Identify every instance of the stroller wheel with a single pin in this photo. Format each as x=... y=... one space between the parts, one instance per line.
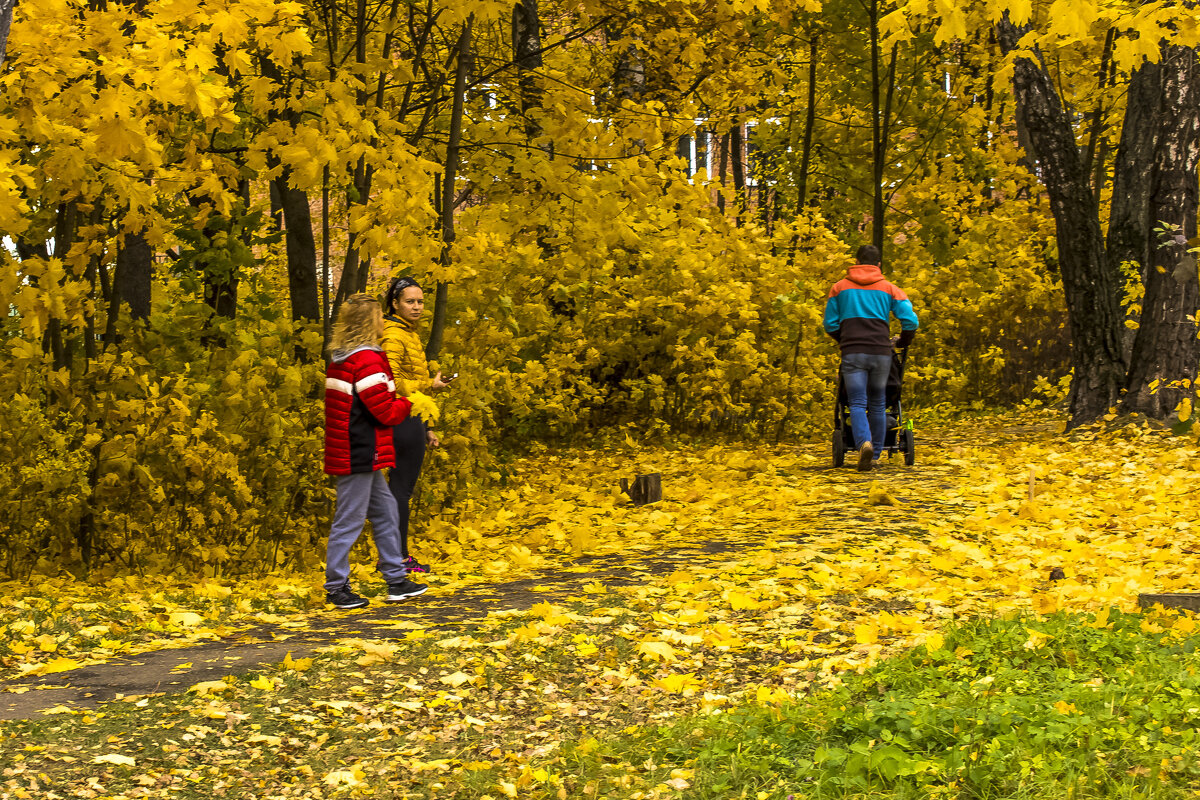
x=910 y=450
x=839 y=448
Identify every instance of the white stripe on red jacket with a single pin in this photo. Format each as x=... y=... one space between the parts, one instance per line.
x=360 y=410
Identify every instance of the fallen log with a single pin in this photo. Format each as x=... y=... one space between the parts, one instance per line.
x=1187 y=600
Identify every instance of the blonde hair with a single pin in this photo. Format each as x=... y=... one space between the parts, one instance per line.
x=359 y=323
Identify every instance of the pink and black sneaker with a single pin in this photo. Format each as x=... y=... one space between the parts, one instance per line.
x=415 y=566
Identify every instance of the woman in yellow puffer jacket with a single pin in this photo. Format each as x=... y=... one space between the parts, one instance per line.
x=404 y=304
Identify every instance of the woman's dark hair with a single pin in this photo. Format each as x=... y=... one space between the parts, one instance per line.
x=867 y=254
x=395 y=289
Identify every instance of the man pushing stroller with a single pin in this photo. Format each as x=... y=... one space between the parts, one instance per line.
x=857 y=315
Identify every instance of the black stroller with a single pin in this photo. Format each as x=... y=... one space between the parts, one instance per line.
x=899 y=435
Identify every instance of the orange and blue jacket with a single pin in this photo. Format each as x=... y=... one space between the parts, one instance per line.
x=859 y=308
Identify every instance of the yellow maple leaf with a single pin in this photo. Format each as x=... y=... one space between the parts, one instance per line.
x=866 y=633
x=456 y=679
x=656 y=651
x=345 y=777
x=1044 y=603
x=208 y=687
x=299 y=665
x=677 y=683
x=375 y=653
x=186 y=619
x=59 y=664
x=742 y=602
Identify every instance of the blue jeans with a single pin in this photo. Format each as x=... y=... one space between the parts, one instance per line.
x=865 y=377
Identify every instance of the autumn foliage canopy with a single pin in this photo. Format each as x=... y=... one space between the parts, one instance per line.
x=629 y=215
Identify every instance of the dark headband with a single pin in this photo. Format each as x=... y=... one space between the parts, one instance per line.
x=397 y=286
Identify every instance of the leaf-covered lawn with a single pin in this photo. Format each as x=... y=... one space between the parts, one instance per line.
x=825 y=572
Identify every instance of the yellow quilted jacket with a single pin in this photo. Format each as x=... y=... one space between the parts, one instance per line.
x=406 y=356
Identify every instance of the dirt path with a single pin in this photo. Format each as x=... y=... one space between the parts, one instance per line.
x=837 y=506
x=174 y=670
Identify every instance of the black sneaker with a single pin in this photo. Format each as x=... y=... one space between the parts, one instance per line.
x=414 y=565
x=345 y=598
x=405 y=589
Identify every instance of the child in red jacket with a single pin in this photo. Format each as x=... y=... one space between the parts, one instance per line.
x=360 y=410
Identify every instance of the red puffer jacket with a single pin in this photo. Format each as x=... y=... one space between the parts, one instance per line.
x=360 y=410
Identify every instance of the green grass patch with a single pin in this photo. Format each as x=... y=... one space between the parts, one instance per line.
x=1066 y=706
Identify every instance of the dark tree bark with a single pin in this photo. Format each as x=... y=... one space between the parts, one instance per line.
x=91 y=275
x=134 y=273
x=1091 y=285
x=1129 y=218
x=6 y=13
x=66 y=227
x=737 y=153
x=326 y=317
x=882 y=89
x=354 y=268
x=722 y=171
x=1166 y=351
x=290 y=210
x=630 y=74
x=437 y=325
x=810 y=124
x=1093 y=159
x=527 y=55
x=301 y=248
x=806 y=143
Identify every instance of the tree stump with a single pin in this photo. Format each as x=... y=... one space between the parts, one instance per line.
x=645 y=488
x=1188 y=600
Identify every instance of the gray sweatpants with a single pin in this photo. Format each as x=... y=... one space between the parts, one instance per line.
x=361 y=496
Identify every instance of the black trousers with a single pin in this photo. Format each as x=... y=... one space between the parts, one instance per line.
x=409 y=440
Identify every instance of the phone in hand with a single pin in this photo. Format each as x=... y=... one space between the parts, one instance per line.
x=450 y=378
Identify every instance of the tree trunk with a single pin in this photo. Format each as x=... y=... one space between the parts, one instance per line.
x=1093 y=157
x=527 y=55
x=737 y=164
x=722 y=172
x=437 y=326
x=1090 y=284
x=326 y=317
x=353 y=270
x=810 y=124
x=1166 y=351
x=1129 y=218
x=881 y=111
x=630 y=75
x=6 y=13
x=301 y=249
x=135 y=269
x=66 y=228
